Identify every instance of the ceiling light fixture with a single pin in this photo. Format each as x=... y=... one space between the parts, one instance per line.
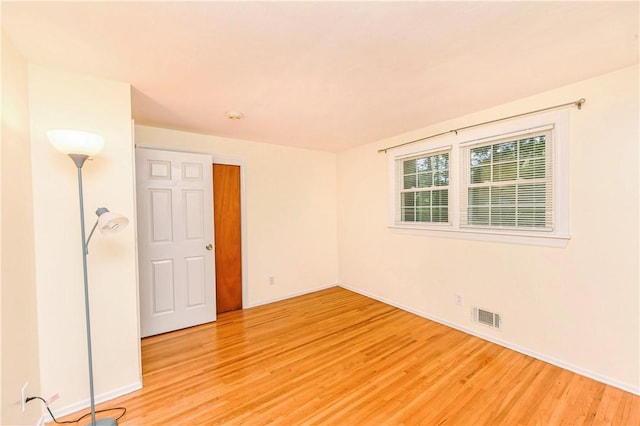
x=234 y=115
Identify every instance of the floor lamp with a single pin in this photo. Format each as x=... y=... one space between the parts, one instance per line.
x=80 y=146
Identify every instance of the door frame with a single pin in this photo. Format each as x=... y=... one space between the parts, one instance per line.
x=231 y=161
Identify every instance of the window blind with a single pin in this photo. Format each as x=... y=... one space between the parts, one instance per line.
x=507 y=183
x=424 y=188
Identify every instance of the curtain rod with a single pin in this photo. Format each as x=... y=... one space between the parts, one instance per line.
x=577 y=104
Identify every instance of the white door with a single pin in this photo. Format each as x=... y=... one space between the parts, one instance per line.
x=175 y=238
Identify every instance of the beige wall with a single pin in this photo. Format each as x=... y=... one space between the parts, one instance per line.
x=65 y=100
x=20 y=360
x=290 y=210
x=577 y=306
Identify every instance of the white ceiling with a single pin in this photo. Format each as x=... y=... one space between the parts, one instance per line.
x=324 y=75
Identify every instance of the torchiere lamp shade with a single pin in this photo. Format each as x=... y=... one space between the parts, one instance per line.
x=76 y=141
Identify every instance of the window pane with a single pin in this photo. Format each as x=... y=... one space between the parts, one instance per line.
x=532 y=169
x=503 y=216
x=532 y=193
x=408 y=199
x=423 y=214
x=444 y=198
x=530 y=216
x=504 y=171
x=478 y=215
x=506 y=151
x=423 y=198
x=409 y=167
x=478 y=196
x=425 y=180
x=440 y=198
x=532 y=147
x=441 y=178
x=409 y=215
x=481 y=174
x=440 y=214
x=481 y=155
x=504 y=195
x=441 y=162
x=423 y=164
x=409 y=182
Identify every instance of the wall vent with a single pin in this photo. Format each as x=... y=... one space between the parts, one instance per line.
x=485 y=317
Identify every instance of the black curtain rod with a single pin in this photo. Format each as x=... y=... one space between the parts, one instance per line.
x=577 y=104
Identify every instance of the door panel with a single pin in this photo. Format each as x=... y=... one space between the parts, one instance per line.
x=162 y=286
x=174 y=201
x=226 y=189
x=196 y=285
x=193 y=205
x=161 y=215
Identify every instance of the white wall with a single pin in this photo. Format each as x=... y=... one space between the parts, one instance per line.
x=577 y=306
x=65 y=100
x=20 y=360
x=290 y=210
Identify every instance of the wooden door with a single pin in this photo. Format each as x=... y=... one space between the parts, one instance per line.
x=175 y=236
x=228 y=249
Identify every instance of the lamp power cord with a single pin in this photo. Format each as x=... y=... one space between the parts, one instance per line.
x=31 y=398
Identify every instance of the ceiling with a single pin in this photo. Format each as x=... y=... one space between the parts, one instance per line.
x=324 y=75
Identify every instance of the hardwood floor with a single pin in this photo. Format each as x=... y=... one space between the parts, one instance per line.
x=337 y=358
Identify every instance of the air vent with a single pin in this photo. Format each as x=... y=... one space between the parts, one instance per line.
x=487 y=318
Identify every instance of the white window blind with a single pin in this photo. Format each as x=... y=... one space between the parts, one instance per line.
x=505 y=182
x=508 y=183
x=424 y=188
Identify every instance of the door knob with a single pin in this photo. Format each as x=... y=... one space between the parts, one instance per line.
x=209 y=247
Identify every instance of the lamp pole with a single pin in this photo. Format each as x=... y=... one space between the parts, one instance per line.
x=79 y=160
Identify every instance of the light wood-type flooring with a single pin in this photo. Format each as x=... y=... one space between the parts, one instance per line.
x=338 y=358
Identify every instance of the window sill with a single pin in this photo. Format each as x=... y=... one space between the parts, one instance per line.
x=555 y=241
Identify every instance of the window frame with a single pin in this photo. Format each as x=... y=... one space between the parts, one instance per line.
x=400 y=174
x=518 y=182
x=556 y=121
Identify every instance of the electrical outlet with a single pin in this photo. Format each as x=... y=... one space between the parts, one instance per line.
x=23 y=396
x=458 y=299
x=272 y=280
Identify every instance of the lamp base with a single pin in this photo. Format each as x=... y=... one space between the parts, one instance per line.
x=104 y=422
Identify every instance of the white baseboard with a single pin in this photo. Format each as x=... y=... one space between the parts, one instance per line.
x=289 y=296
x=86 y=403
x=45 y=418
x=542 y=357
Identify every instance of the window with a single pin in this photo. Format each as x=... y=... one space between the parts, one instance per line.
x=424 y=196
x=506 y=182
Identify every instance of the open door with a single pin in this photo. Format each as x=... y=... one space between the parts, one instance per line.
x=175 y=240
